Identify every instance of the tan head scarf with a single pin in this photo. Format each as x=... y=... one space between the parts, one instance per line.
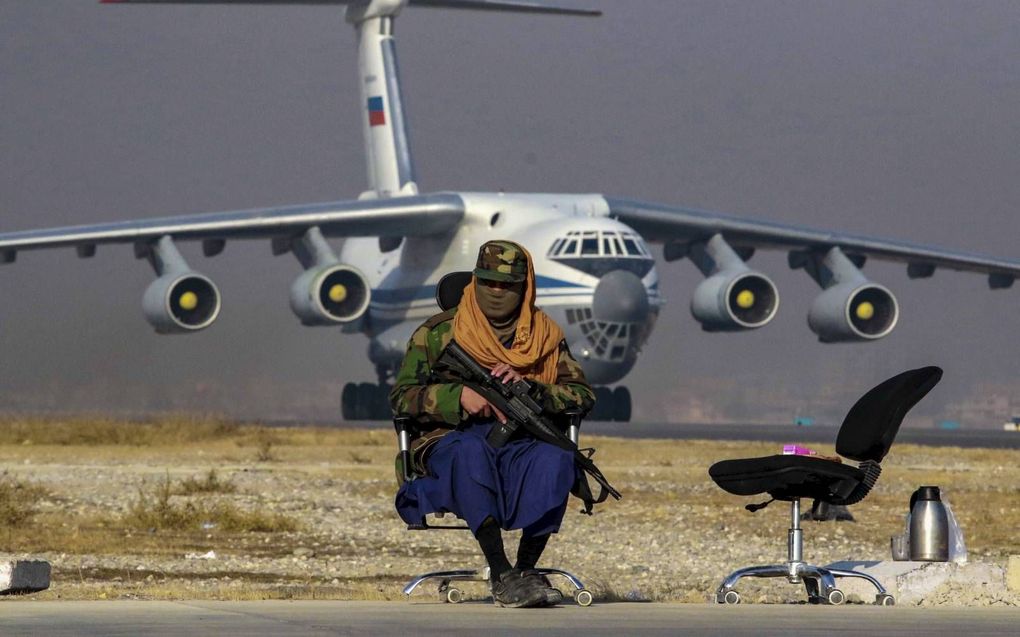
x=535 y=349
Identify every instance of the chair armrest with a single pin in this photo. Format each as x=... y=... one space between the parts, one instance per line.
x=402 y=423
x=573 y=419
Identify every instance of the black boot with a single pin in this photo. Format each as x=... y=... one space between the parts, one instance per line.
x=528 y=552
x=509 y=589
x=550 y=596
x=512 y=590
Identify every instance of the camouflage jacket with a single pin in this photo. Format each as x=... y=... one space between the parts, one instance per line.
x=431 y=396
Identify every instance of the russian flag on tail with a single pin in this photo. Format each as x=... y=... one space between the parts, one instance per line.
x=376 y=112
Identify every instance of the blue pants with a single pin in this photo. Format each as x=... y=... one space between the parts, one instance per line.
x=522 y=485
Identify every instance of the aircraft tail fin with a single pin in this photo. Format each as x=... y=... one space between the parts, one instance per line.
x=387 y=141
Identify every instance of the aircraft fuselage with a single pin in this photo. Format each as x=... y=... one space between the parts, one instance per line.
x=595 y=276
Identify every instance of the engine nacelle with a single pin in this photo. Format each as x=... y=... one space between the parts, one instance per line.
x=181 y=302
x=853 y=311
x=733 y=300
x=330 y=295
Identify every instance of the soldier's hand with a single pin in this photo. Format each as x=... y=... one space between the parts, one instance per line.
x=506 y=373
x=474 y=404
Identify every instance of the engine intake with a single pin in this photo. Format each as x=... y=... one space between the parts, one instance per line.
x=853 y=312
x=181 y=302
x=330 y=295
x=735 y=300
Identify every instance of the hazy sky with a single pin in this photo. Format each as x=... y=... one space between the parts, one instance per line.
x=894 y=118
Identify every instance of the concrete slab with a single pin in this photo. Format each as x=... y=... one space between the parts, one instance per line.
x=917 y=582
x=1013 y=573
x=24 y=576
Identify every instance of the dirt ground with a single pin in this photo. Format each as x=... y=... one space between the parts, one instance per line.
x=187 y=508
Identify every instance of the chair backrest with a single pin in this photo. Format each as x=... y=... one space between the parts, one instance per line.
x=450 y=288
x=872 y=423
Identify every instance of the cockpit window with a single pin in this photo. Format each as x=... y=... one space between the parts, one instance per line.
x=597 y=252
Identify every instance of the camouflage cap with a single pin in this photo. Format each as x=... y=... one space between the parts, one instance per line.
x=501 y=261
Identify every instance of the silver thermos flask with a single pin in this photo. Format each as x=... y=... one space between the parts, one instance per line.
x=929 y=526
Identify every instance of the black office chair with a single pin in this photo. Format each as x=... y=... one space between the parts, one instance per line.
x=865 y=436
x=448 y=294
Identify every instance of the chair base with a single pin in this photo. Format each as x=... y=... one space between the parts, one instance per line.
x=820 y=582
x=453 y=595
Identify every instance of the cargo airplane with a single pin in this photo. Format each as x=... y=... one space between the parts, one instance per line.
x=595 y=273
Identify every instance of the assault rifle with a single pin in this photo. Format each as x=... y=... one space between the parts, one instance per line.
x=518 y=402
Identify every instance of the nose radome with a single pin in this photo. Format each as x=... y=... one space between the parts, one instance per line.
x=620 y=297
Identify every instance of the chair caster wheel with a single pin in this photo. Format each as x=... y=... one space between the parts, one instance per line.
x=452 y=595
x=835 y=597
x=884 y=599
x=583 y=597
x=729 y=597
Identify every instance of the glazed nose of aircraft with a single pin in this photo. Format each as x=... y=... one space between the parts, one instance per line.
x=620 y=297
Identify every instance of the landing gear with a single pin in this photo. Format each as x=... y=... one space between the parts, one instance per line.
x=621 y=404
x=365 y=401
x=612 y=404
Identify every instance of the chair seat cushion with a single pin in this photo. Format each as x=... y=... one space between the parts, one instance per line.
x=786 y=477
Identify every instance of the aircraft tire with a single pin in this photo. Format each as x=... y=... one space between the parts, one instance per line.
x=381 y=404
x=348 y=397
x=622 y=404
x=603 y=404
x=363 y=401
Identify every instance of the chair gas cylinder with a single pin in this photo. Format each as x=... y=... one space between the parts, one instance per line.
x=929 y=526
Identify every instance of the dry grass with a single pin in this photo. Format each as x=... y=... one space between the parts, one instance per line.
x=168 y=430
x=18 y=501
x=156 y=509
x=211 y=483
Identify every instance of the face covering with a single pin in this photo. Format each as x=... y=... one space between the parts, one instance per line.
x=500 y=306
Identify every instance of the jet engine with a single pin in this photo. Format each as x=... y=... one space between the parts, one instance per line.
x=851 y=308
x=181 y=302
x=330 y=295
x=853 y=312
x=734 y=300
x=732 y=297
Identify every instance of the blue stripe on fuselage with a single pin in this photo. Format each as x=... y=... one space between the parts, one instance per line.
x=549 y=282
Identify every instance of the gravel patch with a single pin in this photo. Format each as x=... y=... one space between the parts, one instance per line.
x=673 y=537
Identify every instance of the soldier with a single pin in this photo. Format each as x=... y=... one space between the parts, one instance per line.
x=523 y=484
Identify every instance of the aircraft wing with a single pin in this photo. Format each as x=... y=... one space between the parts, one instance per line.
x=516 y=6
x=682 y=227
x=397 y=217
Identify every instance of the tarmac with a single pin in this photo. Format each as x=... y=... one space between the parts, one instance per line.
x=256 y=619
